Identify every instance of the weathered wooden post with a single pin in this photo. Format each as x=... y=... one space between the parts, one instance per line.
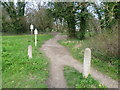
x=35 y=32
x=87 y=62
x=31 y=27
x=30 y=51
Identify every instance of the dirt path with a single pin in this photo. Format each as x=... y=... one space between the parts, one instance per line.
x=60 y=57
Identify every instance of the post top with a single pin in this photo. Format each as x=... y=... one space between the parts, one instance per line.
x=30 y=46
x=31 y=26
x=35 y=31
x=88 y=49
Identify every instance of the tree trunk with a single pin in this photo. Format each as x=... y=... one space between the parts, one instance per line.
x=82 y=28
x=82 y=25
x=71 y=26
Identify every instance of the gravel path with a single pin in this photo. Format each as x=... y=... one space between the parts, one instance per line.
x=59 y=57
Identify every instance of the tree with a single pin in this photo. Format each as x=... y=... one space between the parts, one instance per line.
x=40 y=17
x=105 y=12
x=16 y=14
x=64 y=12
x=82 y=16
x=70 y=18
x=42 y=20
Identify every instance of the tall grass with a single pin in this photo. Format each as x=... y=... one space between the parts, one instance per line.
x=105 y=46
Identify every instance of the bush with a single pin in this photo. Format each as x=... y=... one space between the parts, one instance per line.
x=105 y=46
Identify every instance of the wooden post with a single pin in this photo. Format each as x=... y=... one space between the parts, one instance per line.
x=29 y=51
x=35 y=39
x=31 y=27
x=87 y=62
x=35 y=32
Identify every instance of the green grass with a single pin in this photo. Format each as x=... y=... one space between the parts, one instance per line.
x=0 y=63
x=17 y=70
x=76 y=79
x=78 y=53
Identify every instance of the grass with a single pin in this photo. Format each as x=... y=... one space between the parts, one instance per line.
x=17 y=70
x=77 y=47
x=76 y=79
x=0 y=62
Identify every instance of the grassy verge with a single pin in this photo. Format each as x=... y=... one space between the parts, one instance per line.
x=77 y=48
x=76 y=79
x=17 y=70
x=0 y=62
